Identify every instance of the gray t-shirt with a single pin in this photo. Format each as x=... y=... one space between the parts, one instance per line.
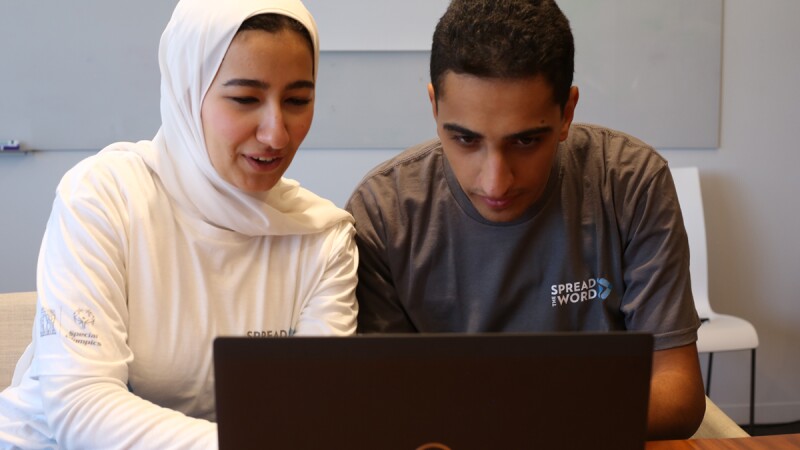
x=604 y=248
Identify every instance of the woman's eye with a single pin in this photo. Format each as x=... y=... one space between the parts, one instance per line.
x=244 y=100
x=298 y=101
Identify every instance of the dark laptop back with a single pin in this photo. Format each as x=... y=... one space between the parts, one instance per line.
x=479 y=391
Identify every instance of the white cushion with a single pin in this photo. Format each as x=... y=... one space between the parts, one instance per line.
x=723 y=333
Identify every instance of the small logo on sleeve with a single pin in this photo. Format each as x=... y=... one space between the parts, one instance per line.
x=83 y=318
x=47 y=325
x=580 y=291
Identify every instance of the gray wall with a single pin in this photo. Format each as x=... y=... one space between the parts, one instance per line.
x=81 y=92
x=750 y=184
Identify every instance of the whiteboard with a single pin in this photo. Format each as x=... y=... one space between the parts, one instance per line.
x=84 y=73
x=650 y=67
x=80 y=74
x=387 y=25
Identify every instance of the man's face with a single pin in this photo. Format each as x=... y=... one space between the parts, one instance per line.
x=500 y=137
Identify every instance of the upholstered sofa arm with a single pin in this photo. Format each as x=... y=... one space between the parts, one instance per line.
x=716 y=424
x=17 y=311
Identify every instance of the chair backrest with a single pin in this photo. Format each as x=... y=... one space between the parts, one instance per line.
x=687 y=184
x=17 y=311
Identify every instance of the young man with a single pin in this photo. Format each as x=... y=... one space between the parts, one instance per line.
x=517 y=220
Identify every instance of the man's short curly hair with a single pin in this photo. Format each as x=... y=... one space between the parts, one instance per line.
x=505 y=39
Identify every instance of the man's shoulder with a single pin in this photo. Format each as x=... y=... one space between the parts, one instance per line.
x=411 y=159
x=601 y=151
x=414 y=167
x=590 y=135
x=400 y=185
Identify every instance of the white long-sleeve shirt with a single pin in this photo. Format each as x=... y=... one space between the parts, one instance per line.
x=132 y=291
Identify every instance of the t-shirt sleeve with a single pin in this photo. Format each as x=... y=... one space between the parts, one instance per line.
x=81 y=281
x=331 y=309
x=380 y=309
x=658 y=296
x=81 y=330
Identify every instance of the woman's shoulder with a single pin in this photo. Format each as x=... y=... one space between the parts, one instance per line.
x=108 y=171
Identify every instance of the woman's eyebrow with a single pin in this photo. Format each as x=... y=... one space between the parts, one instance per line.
x=301 y=84
x=246 y=82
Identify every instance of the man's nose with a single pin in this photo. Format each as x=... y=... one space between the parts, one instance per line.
x=497 y=175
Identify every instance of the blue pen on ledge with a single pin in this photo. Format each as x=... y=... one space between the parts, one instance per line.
x=9 y=145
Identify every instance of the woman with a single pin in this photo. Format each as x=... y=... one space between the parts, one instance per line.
x=153 y=249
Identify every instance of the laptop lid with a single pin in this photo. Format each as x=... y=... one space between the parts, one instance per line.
x=434 y=391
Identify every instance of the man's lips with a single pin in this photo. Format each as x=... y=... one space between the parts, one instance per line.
x=496 y=202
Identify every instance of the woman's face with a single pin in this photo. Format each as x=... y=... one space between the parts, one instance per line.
x=259 y=107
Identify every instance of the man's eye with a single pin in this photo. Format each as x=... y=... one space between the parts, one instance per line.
x=465 y=139
x=528 y=141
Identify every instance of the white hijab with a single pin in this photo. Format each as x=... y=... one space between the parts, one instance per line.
x=191 y=50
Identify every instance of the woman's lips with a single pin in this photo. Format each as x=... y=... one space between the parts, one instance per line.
x=263 y=163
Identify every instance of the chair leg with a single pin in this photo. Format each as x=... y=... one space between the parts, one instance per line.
x=708 y=374
x=752 y=388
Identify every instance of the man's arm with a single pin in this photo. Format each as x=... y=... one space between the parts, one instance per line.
x=379 y=307
x=658 y=297
x=677 y=397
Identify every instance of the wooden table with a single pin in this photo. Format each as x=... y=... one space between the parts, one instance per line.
x=776 y=442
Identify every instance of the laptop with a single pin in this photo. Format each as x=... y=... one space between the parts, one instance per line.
x=434 y=391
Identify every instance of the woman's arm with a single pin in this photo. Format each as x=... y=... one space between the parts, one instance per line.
x=82 y=354
x=96 y=412
x=332 y=307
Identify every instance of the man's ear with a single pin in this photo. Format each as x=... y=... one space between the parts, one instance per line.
x=432 y=97
x=569 y=112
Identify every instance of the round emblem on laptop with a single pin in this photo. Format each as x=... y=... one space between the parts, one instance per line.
x=433 y=446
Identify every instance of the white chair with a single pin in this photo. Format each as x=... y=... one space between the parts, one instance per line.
x=718 y=332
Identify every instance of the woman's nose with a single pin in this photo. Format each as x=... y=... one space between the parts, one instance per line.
x=272 y=130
